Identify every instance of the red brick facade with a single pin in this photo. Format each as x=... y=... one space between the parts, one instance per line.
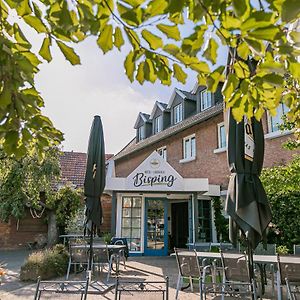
x=207 y=164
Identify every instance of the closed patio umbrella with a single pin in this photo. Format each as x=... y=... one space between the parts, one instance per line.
x=246 y=202
x=94 y=181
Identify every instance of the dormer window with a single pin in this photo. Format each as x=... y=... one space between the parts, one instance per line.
x=178 y=113
x=205 y=99
x=157 y=124
x=140 y=133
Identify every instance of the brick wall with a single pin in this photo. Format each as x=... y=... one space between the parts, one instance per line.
x=207 y=164
x=106 y=209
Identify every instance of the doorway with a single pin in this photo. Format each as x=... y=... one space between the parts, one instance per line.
x=180 y=224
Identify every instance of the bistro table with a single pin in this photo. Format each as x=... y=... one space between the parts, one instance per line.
x=71 y=236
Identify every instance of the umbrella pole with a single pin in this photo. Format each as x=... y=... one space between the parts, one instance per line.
x=91 y=248
x=251 y=267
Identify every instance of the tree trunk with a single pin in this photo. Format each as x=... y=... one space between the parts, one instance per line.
x=52 y=229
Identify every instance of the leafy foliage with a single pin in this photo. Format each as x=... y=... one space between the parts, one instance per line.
x=282 y=188
x=255 y=33
x=221 y=222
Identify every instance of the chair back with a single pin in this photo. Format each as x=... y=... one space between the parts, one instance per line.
x=290 y=271
x=235 y=269
x=121 y=241
x=297 y=250
x=270 y=249
x=188 y=263
x=79 y=253
x=205 y=247
x=101 y=255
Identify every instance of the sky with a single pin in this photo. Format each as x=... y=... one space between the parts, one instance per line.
x=99 y=86
x=73 y=95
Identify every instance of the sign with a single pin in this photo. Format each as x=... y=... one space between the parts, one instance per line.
x=249 y=139
x=154 y=174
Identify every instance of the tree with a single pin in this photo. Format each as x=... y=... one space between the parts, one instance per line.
x=259 y=35
x=282 y=187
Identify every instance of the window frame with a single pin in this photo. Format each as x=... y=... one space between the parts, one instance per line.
x=271 y=126
x=180 y=113
x=191 y=156
x=140 y=132
x=202 y=106
x=164 y=151
x=220 y=146
x=158 y=124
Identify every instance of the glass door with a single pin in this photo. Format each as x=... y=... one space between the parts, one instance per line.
x=156 y=227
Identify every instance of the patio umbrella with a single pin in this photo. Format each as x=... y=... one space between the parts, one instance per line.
x=94 y=181
x=246 y=202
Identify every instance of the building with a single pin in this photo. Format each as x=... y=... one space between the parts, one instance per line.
x=163 y=181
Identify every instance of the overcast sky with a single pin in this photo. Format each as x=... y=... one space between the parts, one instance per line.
x=99 y=86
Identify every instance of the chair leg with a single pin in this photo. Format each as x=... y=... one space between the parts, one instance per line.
x=191 y=284
x=279 y=296
x=109 y=269
x=69 y=268
x=200 y=288
x=179 y=282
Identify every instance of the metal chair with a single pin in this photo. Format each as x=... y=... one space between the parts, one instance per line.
x=142 y=287
x=123 y=253
x=236 y=278
x=205 y=247
x=78 y=256
x=270 y=249
x=189 y=268
x=288 y=274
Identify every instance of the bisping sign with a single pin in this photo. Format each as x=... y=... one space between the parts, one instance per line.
x=154 y=174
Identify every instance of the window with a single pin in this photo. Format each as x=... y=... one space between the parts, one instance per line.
x=275 y=121
x=162 y=152
x=206 y=100
x=177 y=110
x=131 y=221
x=221 y=136
x=204 y=221
x=140 y=133
x=158 y=124
x=189 y=147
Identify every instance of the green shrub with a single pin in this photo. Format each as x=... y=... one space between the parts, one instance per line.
x=47 y=264
x=282 y=250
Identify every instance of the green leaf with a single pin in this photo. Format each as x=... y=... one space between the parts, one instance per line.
x=175 y=6
x=23 y=8
x=171 y=31
x=210 y=52
x=295 y=36
x=290 y=10
x=105 y=41
x=231 y=23
x=243 y=50
x=256 y=46
x=153 y=40
x=45 y=50
x=294 y=68
x=241 y=8
x=230 y=86
x=129 y=65
x=5 y=97
x=133 y=38
x=179 y=74
x=265 y=34
x=156 y=7
x=118 y=38
x=171 y=49
x=149 y=71
x=140 y=73
x=134 y=3
x=35 y=23
x=273 y=79
x=214 y=78
x=258 y=19
x=241 y=69
x=69 y=53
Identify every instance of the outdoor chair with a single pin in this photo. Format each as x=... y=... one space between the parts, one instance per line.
x=270 y=249
x=132 y=288
x=297 y=250
x=102 y=259
x=288 y=274
x=236 y=278
x=62 y=287
x=205 y=247
x=79 y=256
x=189 y=268
x=123 y=253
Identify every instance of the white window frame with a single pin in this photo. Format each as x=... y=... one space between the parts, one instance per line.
x=205 y=104
x=162 y=151
x=190 y=156
x=272 y=129
x=140 y=133
x=180 y=113
x=220 y=147
x=158 y=124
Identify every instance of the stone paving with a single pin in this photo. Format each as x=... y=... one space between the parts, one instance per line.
x=138 y=268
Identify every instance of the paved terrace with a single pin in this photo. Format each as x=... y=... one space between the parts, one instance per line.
x=138 y=268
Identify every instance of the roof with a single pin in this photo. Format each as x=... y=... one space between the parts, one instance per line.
x=143 y=116
x=183 y=94
x=189 y=122
x=162 y=106
x=73 y=165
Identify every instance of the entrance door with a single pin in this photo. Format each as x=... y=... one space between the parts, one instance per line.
x=156 y=227
x=180 y=225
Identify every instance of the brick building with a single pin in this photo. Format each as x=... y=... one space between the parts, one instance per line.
x=18 y=233
x=163 y=181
